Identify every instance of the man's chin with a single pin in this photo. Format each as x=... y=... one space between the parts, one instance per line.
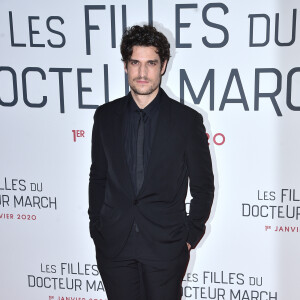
x=143 y=92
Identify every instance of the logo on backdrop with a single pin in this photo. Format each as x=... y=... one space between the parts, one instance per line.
x=69 y=279
x=218 y=139
x=21 y=199
x=77 y=134
x=264 y=96
x=274 y=206
x=224 y=285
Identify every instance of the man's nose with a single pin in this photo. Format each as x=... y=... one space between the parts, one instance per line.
x=143 y=70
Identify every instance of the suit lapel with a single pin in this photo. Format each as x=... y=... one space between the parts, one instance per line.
x=119 y=136
x=162 y=131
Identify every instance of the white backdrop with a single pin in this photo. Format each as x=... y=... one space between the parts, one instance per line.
x=59 y=60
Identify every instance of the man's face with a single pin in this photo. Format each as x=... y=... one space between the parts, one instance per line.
x=144 y=70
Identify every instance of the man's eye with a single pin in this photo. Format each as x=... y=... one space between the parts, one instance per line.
x=152 y=63
x=134 y=62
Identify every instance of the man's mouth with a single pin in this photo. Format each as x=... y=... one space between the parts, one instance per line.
x=142 y=81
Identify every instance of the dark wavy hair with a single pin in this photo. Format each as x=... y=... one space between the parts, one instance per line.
x=144 y=36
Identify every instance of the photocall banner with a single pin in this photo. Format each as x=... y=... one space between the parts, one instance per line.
x=235 y=62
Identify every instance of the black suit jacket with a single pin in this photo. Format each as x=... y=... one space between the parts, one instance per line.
x=179 y=150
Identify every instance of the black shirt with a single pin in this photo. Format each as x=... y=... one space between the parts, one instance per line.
x=131 y=126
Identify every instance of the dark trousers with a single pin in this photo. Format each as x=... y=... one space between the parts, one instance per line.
x=131 y=276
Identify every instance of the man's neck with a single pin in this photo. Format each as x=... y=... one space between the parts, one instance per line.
x=143 y=100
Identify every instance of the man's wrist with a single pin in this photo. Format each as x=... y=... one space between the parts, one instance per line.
x=188 y=245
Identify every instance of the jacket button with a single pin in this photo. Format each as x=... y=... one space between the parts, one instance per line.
x=135 y=201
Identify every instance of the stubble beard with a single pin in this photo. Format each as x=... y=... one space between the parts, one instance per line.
x=149 y=91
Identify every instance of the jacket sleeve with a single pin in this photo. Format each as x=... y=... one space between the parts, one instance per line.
x=201 y=180
x=97 y=176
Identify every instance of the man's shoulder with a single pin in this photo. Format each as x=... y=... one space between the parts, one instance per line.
x=110 y=106
x=181 y=108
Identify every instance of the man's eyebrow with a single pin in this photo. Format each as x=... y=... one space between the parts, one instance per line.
x=150 y=60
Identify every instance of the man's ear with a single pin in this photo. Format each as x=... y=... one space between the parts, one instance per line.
x=163 y=67
x=125 y=66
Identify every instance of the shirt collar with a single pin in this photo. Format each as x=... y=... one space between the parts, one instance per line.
x=149 y=109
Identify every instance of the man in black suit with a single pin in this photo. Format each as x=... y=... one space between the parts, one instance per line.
x=145 y=146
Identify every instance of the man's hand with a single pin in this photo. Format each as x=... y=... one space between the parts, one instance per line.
x=189 y=246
